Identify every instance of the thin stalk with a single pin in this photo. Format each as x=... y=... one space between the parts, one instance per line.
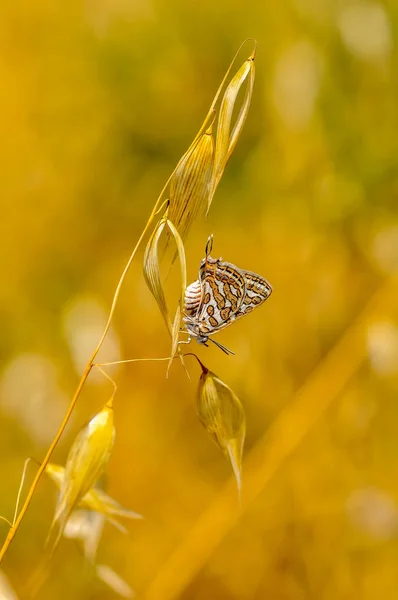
x=15 y=526
x=27 y=461
x=158 y=206
x=109 y=378
x=12 y=531
x=129 y=360
x=204 y=369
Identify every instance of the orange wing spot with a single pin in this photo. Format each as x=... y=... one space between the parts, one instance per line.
x=206 y=299
x=248 y=309
x=230 y=296
x=225 y=313
x=216 y=294
x=210 y=310
x=213 y=322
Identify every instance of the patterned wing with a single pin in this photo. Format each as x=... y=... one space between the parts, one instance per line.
x=258 y=290
x=220 y=310
x=223 y=292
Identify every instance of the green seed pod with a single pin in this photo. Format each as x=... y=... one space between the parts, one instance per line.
x=221 y=413
x=87 y=459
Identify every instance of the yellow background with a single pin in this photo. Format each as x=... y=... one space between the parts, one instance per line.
x=99 y=99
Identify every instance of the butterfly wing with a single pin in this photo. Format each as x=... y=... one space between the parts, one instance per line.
x=258 y=290
x=222 y=294
x=229 y=293
x=223 y=291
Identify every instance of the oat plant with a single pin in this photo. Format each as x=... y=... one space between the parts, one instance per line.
x=186 y=196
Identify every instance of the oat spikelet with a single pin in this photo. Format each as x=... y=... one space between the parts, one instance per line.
x=181 y=255
x=152 y=271
x=227 y=132
x=190 y=184
x=96 y=499
x=175 y=330
x=196 y=177
x=221 y=413
x=87 y=459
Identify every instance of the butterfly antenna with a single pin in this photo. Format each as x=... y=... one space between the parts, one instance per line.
x=209 y=246
x=223 y=348
x=203 y=264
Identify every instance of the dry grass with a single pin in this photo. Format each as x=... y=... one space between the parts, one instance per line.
x=99 y=103
x=190 y=188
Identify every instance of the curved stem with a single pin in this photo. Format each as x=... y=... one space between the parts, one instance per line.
x=27 y=461
x=15 y=526
x=130 y=360
x=204 y=369
x=108 y=377
x=158 y=206
x=12 y=531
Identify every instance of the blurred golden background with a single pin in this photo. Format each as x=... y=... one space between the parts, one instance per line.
x=99 y=101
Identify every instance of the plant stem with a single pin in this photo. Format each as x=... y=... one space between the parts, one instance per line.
x=12 y=531
x=204 y=369
x=15 y=526
x=157 y=208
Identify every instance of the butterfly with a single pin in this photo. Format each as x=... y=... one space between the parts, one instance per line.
x=222 y=294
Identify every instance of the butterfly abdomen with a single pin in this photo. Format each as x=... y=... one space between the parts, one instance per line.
x=192 y=298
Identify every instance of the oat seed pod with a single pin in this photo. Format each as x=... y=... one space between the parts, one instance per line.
x=152 y=271
x=96 y=499
x=181 y=255
x=114 y=581
x=197 y=175
x=175 y=328
x=175 y=332
x=221 y=413
x=55 y=473
x=190 y=184
x=228 y=132
x=87 y=459
x=153 y=278
x=99 y=501
x=86 y=527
